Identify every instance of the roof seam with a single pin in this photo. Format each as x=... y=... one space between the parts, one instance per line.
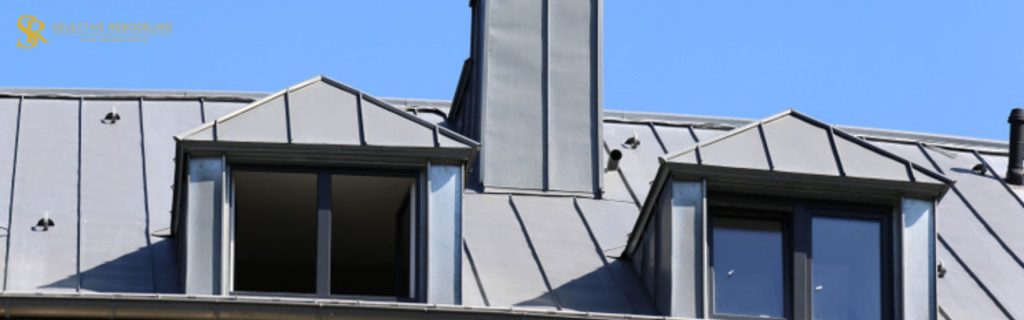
x=974 y=277
x=10 y=204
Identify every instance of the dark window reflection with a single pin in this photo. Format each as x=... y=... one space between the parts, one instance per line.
x=846 y=272
x=748 y=267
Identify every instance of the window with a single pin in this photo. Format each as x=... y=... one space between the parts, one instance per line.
x=800 y=261
x=275 y=232
x=370 y=236
x=846 y=268
x=324 y=232
x=748 y=258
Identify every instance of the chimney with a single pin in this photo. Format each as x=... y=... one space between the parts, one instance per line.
x=531 y=94
x=1015 y=172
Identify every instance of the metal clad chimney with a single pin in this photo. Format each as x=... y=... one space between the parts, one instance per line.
x=1015 y=171
x=533 y=94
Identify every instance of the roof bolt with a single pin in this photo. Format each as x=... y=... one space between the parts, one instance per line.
x=978 y=169
x=45 y=223
x=632 y=142
x=111 y=117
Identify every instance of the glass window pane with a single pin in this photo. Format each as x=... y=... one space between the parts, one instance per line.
x=846 y=268
x=275 y=232
x=370 y=242
x=748 y=267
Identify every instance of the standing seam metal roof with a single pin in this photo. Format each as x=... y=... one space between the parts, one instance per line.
x=60 y=158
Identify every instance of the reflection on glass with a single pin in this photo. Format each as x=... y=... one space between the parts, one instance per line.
x=748 y=267
x=846 y=270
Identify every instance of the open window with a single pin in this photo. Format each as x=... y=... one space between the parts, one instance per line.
x=324 y=232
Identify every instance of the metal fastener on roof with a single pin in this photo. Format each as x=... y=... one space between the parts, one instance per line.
x=44 y=223
x=111 y=117
x=632 y=142
x=978 y=169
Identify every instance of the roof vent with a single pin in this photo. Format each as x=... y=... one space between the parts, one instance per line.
x=112 y=116
x=613 y=160
x=632 y=143
x=1015 y=171
x=45 y=223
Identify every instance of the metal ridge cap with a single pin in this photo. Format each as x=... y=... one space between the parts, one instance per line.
x=129 y=93
x=942 y=140
x=639 y=116
x=888 y=135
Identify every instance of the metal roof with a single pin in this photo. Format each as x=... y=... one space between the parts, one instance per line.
x=325 y=112
x=108 y=189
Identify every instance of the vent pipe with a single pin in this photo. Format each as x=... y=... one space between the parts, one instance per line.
x=1015 y=172
x=613 y=160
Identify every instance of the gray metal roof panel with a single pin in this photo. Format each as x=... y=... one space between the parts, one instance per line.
x=502 y=255
x=46 y=185
x=322 y=114
x=676 y=137
x=798 y=146
x=215 y=109
x=9 y=108
x=742 y=149
x=571 y=260
x=111 y=164
x=959 y=296
x=266 y=123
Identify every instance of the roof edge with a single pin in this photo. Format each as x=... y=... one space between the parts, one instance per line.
x=715 y=122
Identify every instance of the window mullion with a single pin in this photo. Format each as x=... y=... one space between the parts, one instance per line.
x=801 y=243
x=323 y=221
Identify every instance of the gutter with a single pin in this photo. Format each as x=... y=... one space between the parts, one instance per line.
x=177 y=306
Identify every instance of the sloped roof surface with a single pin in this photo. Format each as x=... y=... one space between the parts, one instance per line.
x=535 y=251
x=323 y=111
x=796 y=143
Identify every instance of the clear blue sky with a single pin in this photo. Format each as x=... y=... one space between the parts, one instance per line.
x=941 y=66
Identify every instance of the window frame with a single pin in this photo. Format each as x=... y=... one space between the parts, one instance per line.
x=787 y=261
x=797 y=215
x=416 y=266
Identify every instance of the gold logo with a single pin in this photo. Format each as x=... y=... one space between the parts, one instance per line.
x=27 y=24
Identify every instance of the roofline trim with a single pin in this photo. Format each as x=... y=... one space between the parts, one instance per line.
x=160 y=306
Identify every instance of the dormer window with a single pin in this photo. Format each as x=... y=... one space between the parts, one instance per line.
x=356 y=222
x=322 y=191
x=789 y=218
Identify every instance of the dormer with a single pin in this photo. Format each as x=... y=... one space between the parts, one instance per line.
x=322 y=191
x=789 y=218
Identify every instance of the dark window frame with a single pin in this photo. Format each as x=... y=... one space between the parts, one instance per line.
x=797 y=214
x=752 y=214
x=324 y=173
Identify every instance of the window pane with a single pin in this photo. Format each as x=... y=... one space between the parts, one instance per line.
x=275 y=232
x=846 y=268
x=748 y=267
x=370 y=237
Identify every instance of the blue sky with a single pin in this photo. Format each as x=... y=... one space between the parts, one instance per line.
x=940 y=66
